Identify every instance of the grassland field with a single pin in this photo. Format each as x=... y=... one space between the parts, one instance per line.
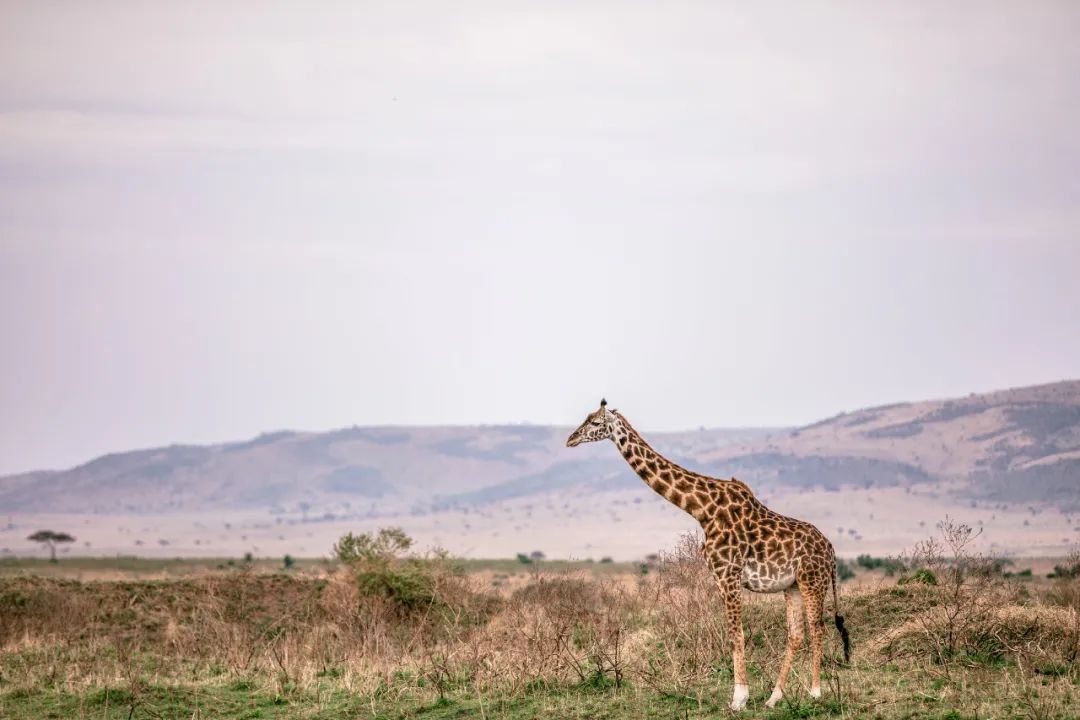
x=126 y=638
x=127 y=567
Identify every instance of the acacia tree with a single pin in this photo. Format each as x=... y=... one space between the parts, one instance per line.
x=50 y=538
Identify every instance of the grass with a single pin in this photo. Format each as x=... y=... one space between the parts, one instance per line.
x=911 y=695
x=176 y=701
x=134 y=567
x=563 y=641
x=124 y=567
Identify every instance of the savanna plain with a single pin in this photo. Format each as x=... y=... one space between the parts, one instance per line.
x=383 y=631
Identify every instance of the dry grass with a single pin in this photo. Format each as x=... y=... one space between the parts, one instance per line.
x=560 y=644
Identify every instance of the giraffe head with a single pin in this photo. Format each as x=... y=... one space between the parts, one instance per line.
x=597 y=426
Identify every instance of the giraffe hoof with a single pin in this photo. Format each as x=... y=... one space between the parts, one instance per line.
x=815 y=692
x=739 y=697
x=774 y=698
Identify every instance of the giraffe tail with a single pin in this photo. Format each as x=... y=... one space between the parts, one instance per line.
x=839 y=620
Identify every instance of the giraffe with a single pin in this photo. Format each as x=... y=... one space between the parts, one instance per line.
x=746 y=544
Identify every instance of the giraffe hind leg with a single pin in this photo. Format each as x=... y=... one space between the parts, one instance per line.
x=814 y=602
x=795 y=620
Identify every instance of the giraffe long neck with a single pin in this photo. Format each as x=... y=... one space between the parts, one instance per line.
x=676 y=484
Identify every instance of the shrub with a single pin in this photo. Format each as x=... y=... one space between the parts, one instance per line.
x=890 y=565
x=843 y=570
x=923 y=576
x=1066 y=593
x=1068 y=571
x=688 y=640
x=1035 y=636
x=381 y=569
x=965 y=589
x=387 y=544
x=557 y=590
x=568 y=627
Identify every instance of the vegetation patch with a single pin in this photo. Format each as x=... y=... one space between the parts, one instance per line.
x=389 y=634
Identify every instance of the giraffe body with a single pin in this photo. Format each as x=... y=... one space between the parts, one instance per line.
x=746 y=544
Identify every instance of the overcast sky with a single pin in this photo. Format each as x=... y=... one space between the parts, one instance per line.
x=225 y=218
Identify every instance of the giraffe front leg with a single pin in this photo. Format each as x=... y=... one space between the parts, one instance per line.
x=794 y=642
x=732 y=595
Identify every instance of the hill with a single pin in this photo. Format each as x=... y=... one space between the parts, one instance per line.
x=354 y=470
x=1019 y=445
x=1008 y=451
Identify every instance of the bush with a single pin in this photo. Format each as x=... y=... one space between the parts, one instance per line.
x=568 y=627
x=912 y=623
x=381 y=569
x=843 y=570
x=524 y=559
x=965 y=591
x=922 y=576
x=1066 y=593
x=384 y=546
x=1068 y=571
x=891 y=566
x=688 y=639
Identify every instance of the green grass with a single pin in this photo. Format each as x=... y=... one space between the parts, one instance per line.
x=329 y=699
x=235 y=702
x=240 y=701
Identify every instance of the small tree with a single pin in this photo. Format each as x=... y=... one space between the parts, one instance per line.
x=382 y=567
x=384 y=546
x=962 y=590
x=50 y=538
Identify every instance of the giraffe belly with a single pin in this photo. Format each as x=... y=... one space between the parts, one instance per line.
x=766 y=578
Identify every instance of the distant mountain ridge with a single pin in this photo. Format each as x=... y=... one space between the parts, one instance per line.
x=1012 y=445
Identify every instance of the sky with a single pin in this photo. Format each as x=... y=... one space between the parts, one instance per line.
x=218 y=219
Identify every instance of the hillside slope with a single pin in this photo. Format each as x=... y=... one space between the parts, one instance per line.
x=374 y=470
x=1008 y=446
x=1012 y=445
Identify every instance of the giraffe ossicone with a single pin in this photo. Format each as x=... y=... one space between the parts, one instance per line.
x=746 y=544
